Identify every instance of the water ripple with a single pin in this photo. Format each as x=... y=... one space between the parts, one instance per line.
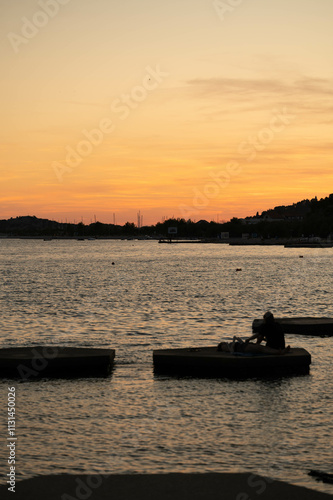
x=166 y=296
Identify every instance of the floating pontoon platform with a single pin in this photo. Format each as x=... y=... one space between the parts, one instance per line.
x=301 y=326
x=208 y=361
x=55 y=361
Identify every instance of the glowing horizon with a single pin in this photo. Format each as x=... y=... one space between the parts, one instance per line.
x=204 y=110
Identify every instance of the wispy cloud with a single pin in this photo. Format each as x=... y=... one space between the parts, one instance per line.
x=220 y=98
x=217 y=86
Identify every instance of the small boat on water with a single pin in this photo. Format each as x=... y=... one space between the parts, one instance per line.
x=301 y=326
x=208 y=361
x=55 y=361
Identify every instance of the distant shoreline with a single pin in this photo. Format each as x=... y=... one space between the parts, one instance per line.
x=287 y=243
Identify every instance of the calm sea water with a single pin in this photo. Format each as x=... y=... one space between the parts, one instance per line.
x=156 y=296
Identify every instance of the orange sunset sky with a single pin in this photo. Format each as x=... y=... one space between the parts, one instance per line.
x=200 y=109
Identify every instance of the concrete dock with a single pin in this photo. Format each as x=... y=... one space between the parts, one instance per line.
x=208 y=361
x=301 y=326
x=55 y=361
x=173 y=486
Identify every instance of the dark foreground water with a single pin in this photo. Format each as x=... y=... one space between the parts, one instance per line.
x=155 y=296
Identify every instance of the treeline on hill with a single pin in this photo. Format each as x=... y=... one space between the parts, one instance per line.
x=306 y=218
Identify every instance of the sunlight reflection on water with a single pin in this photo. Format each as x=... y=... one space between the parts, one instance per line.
x=155 y=296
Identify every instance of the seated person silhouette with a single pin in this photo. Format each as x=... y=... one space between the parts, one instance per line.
x=239 y=346
x=271 y=331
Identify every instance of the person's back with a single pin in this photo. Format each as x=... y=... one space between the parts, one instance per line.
x=273 y=332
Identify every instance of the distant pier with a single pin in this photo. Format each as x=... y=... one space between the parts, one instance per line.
x=168 y=240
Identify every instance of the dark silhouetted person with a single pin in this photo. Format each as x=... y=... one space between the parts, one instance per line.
x=247 y=347
x=271 y=331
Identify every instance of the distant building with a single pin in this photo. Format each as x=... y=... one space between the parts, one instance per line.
x=293 y=216
x=251 y=220
x=273 y=218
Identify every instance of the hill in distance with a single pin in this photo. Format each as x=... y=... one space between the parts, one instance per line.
x=305 y=218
